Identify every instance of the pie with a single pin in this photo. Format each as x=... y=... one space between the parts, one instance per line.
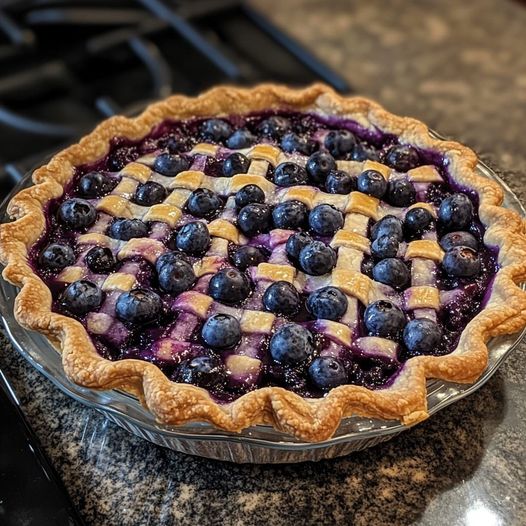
x=267 y=256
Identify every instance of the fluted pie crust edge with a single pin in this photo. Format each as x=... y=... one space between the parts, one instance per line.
x=307 y=419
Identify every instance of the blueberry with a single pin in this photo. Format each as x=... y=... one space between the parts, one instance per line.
x=456 y=212
x=229 y=286
x=216 y=130
x=247 y=256
x=291 y=344
x=393 y=272
x=290 y=215
x=461 y=262
x=319 y=165
x=340 y=182
x=235 y=163
x=171 y=164
x=291 y=142
x=418 y=220
x=402 y=157
x=422 y=335
x=100 y=260
x=203 y=371
x=221 y=331
x=150 y=193
x=240 y=139
x=169 y=258
x=339 y=142
x=459 y=239
x=96 y=184
x=363 y=152
x=317 y=258
x=120 y=157
x=326 y=372
x=295 y=243
x=328 y=303
x=372 y=183
x=57 y=256
x=175 y=145
x=325 y=220
x=175 y=276
x=400 y=192
x=193 y=238
x=282 y=298
x=77 y=213
x=289 y=174
x=367 y=267
x=81 y=297
x=274 y=127
x=385 y=247
x=250 y=193
x=384 y=319
x=139 y=307
x=126 y=229
x=204 y=203
x=254 y=219
x=388 y=226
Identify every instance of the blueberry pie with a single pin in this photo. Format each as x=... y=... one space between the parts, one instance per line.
x=277 y=256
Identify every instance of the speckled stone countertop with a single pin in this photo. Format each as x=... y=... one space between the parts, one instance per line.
x=460 y=67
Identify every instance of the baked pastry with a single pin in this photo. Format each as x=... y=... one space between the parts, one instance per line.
x=267 y=255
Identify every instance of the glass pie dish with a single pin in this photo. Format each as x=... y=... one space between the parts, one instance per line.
x=258 y=444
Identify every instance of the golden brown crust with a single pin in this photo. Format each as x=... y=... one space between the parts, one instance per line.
x=307 y=419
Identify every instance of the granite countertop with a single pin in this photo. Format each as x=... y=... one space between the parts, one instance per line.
x=461 y=68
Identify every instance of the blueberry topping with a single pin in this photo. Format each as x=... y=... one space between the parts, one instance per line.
x=119 y=158
x=57 y=256
x=456 y=212
x=340 y=182
x=328 y=303
x=290 y=215
x=171 y=164
x=462 y=262
x=339 y=142
x=388 y=226
x=203 y=371
x=367 y=267
x=326 y=372
x=241 y=139
x=221 y=331
x=139 y=307
x=150 y=193
x=459 y=239
x=319 y=165
x=100 y=260
x=372 y=183
x=229 y=286
x=81 y=297
x=400 y=192
x=402 y=158
x=193 y=238
x=216 y=130
x=292 y=142
x=290 y=174
x=250 y=193
x=77 y=213
x=422 y=335
x=384 y=319
x=274 y=126
x=282 y=298
x=362 y=152
x=235 y=163
x=317 y=258
x=291 y=344
x=254 y=219
x=325 y=220
x=385 y=247
x=295 y=243
x=247 y=256
x=418 y=220
x=126 y=229
x=176 y=145
x=175 y=275
x=204 y=203
x=393 y=272
x=96 y=184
